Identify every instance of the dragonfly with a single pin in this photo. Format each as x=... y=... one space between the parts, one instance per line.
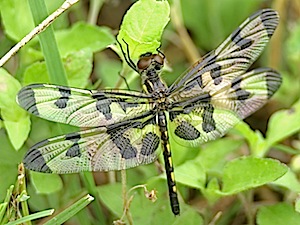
x=125 y=128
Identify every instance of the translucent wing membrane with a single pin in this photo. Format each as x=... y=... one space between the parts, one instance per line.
x=115 y=147
x=211 y=115
x=82 y=108
x=232 y=58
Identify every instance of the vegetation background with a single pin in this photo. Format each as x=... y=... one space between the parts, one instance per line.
x=251 y=176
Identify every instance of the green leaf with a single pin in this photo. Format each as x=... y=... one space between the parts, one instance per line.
x=46 y=183
x=191 y=174
x=15 y=119
x=189 y=216
x=143 y=25
x=18 y=130
x=213 y=155
x=111 y=196
x=249 y=172
x=257 y=143
x=78 y=66
x=290 y=181
x=88 y=36
x=212 y=191
x=108 y=71
x=16 y=18
x=279 y=214
x=283 y=124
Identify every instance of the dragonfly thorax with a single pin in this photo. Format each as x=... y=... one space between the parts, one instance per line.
x=149 y=67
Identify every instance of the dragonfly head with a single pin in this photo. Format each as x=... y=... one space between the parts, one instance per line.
x=150 y=62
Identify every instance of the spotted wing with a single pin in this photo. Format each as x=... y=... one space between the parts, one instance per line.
x=212 y=115
x=82 y=108
x=218 y=92
x=231 y=59
x=115 y=147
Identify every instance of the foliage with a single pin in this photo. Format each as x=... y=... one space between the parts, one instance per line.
x=237 y=169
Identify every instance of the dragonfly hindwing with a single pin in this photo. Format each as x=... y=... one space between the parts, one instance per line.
x=99 y=149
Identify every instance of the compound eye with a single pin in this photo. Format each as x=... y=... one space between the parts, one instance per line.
x=157 y=58
x=143 y=63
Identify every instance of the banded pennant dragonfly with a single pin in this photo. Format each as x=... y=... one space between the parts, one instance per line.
x=126 y=128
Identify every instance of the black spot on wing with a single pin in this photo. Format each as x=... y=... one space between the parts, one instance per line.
x=215 y=74
x=103 y=105
x=126 y=149
x=150 y=144
x=104 y=108
x=193 y=83
x=173 y=115
x=209 y=124
x=126 y=105
x=26 y=99
x=243 y=43
x=187 y=131
x=34 y=160
x=74 y=150
x=240 y=93
x=65 y=96
x=214 y=68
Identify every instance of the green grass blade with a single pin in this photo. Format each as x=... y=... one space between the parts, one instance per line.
x=32 y=217
x=47 y=40
x=70 y=211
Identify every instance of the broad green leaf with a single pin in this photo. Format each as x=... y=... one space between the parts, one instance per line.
x=191 y=174
x=290 y=181
x=108 y=72
x=46 y=183
x=143 y=25
x=279 y=214
x=88 y=36
x=189 y=216
x=16 y=17
x=257 y=143
x=111 y=196
x=213 y=155
x=78 y=66
x=283 y=124
x=249 y=172
x=15 y=119
x=212 y=191
x=18 y=130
